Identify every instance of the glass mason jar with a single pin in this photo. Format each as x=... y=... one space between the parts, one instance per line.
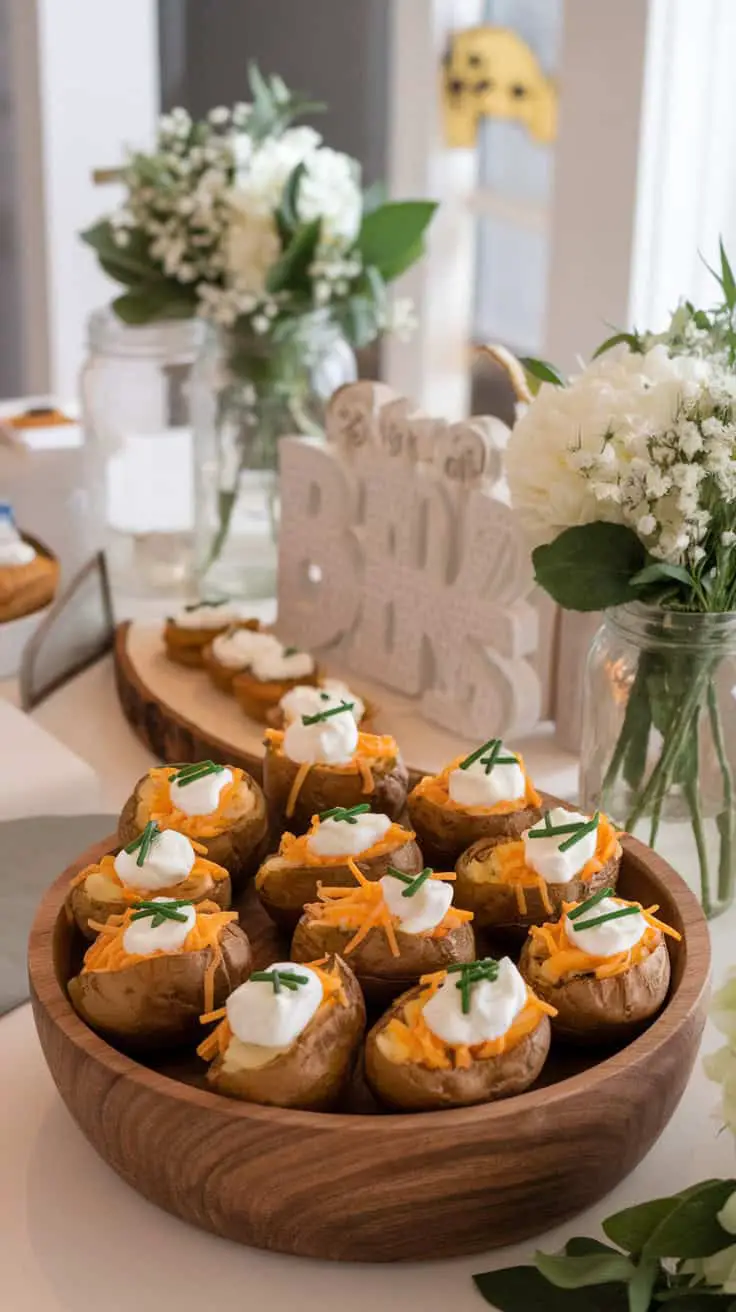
x=247 y=392
x=659 y=738
x=135 y=406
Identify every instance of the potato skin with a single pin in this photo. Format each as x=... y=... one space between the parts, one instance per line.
x=444 y=834
x=259 y=697
x=325 y=787
x=314 y=1072
x=381 y=975
x=411 y=1087
x=84 y=908
x=158 y=1002
x=239 y=848
x=591 y=1010
x=494 y=904
x=285 y=890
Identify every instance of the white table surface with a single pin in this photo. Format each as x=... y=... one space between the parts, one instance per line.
x=69 y=1226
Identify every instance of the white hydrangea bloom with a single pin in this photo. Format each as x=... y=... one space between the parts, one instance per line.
x=260 y=186
x=330 y=190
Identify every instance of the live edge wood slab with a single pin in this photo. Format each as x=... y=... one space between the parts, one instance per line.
x=361 y=1185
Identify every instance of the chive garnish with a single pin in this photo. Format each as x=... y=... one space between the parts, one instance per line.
x=189 y=774
x=326 y=715
x=291 y=651
x=472 y=972
x=399 y=874
x=583 y=830
x=550 y=830
x=280 y=978
x=417 y=882
x=144 y=842
x=609 y=915
x=493 y=747
x=589 y=903
x=161 y=911
x=347 y=813
x=195 y=605
x=324 y=696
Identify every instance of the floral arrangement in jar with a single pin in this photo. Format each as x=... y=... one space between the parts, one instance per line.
x=259 y=227
x=625 y=477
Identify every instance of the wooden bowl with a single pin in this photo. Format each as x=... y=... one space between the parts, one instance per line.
x=361 y=1184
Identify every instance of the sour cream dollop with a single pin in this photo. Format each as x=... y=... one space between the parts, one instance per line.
x=237 y=648
x=421 y=912
x=544 y=855
x=328 y=742
x=276 y=663
x=308 y=700
x=606 y=940
x=258 y=1014
x=141 y=937
x=13 y=550
x=474 y=786
x=210 y=615
x=168 y=862
x=494 y=1005
x=201 y=796
x=346 y=838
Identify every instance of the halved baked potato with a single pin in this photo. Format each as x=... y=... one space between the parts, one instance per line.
x=445 y=827
x=313 y=1071
x=233 y=836
x=305 y=698
x=598 y=999
x=258 y=695
x=230 y=651
x=288 y=879
x=185 y=643
x=412 y=1073
x=154 y=1001
x=502 y=893
x=295 y=792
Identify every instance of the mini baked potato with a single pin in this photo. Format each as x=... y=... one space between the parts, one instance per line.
x=187 y=634
x=154 y=998
x=599 y=998
x=295 y=792
x=259 y=689
x=494 y=882
x=313 y=1069
x=410 y=1068
x=446 y=825
x=98 y=892
x=359 y=924
x=233 y=833
x=307 y=698
x=289 y=879
x=231 y=651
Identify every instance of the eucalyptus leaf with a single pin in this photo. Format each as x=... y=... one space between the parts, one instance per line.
x=579 y=1272
x=390 y=233
x=153 y=303
x=524 y=1289
x=290 y=270
x=129 y=264
x=392 y=269
x=727 y=279
x=641 y=1286
x=590 y=566
x=581 y=1246
x=542 y=370
x=633 y=341
x=691 y=1228
x=287 y=213
x=658 y=571
x=357 y=319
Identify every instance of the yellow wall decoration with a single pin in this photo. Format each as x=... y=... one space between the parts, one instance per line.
x=491 y=71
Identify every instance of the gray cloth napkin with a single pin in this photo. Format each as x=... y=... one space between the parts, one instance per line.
x=33 y=853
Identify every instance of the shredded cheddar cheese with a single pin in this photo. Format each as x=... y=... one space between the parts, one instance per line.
x=217 y=1043
x=168 y=816
x=371 y=749
x=201 y=873
x=408 y=1038
x=564 y=960
x=436 y=789
x=297 y=852
x=507 y=865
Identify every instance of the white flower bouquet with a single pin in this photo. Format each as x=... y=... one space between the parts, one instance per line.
x=625 y=477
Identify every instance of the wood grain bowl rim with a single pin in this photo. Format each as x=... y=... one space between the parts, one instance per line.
x=683 y=1005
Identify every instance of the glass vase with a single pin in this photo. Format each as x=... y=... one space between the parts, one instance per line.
x=248 y=392
x=659 y=738
x=135 y=406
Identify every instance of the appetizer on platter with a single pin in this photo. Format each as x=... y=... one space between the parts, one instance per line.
x=157 y=861
x=603 y=965
x=289 y=1036
x=307 y=699
x=187 y=633
x=563 y=857
x=486 y=794
x=234 y=650
x=392 y=931
x=323 y=760
x=28 y=579
x=290 y=878
x=269 y=675
x=219 y=806
x=469 y=1034
x=153 y=970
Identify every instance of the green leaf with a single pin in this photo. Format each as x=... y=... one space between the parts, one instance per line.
x=287 y=213
x=642 y=1284
x=524 y=1289
x=581 y=1246
x=357 y=319
x=590 y=567
x=290 y=270
x=691 y=1228
x=700 y=1300
x=542 y=370
x=659 y=570
x=727 y=279
x=131 y=264
x=388 y=234
x=153 y=303
x=392 y=269
x=578 y=1272
x=633 y=341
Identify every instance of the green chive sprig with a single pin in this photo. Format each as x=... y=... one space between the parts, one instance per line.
x=399 y=874
x=195 y=605
x=161 y=911
x=189 y=774
x=327 y=715
x=287 y=979
x=291 y=651
x=472 y=972
x=582 y=832
x=144 y=842
x=609 y=915
x=589 y=903
x=577 y=829
x=416 y=883
x=347 y=813
x=493 y=747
